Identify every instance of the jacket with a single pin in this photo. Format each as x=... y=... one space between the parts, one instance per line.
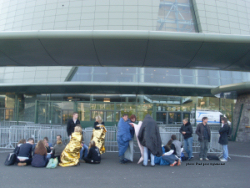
x=25 y=150
x=95 y=125
x=39 y=160
x=94 y=154
x=176 y=146
x=223 y=140
x=71 y=126
x=188 y=129
x=149 y=136
x=58 y=149
x=200 y=132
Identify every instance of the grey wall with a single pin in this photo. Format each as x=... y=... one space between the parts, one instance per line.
x=223 y=16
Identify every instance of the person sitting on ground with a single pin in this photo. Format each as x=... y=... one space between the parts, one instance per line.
x=58 y=137
x=57 y=150
x=24 y=156
x=84 y=151
x=16 y=150
x=40 y=155
x=46 y=144
x=94 y=156
x=169 y=155
x=71 y=154
x=176 y=146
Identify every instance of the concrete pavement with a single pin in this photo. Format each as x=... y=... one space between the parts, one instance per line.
x=235 y=173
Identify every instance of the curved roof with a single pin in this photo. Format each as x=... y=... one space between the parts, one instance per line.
x=125 y=48
x=231 y=90
x=106 y=88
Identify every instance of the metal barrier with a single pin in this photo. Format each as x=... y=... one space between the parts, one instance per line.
x=9 y=137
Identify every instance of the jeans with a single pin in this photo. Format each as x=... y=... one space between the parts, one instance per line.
x=225 y=151
x=84 y=151
x=188 y=146
x=203 y=149
x=170 y=158
x=48 y=156
x=145 y=156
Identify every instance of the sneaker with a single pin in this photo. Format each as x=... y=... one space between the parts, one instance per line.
x=206 y=159
x=189 y=159
x=223 y=160
x=173 y=163
x=152 y=165
x=82 y=161
x=179 y=162
x=201 y=159
x=144 y=165
x=21 y=164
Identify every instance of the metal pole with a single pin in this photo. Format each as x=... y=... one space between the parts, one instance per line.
x=238 y=123
x=232 y=119
x=36 y=106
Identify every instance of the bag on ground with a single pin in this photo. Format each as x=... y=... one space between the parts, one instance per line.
x=11 y=159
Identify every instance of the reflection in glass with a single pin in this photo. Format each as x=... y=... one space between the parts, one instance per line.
x=176 y=15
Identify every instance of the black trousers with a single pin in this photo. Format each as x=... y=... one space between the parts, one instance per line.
x=58 y=157
x=27 y=161
x=88 y=160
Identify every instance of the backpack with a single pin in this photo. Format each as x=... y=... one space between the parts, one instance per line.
x=11 y=159
x=229 y=132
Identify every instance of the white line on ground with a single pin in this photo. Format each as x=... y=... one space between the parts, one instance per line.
x=235 y=155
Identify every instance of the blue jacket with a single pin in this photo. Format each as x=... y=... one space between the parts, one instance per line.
x=25 y=150
x=123 y=136
x=39 y=160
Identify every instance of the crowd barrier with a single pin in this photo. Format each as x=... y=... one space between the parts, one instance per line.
x=9 y=137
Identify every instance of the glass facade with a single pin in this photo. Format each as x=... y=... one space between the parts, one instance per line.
x=58 y=108
x=176 y=16
x=158 y=75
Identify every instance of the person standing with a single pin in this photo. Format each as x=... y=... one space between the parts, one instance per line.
x=98 y=122
x=98 y=135
x=223 y=140
x=204 y=135
x=123 y=137
x=129 y=154
x=186 y=130
x=72 y=124
x=149 y=137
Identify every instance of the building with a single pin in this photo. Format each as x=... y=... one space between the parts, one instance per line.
x=108 y=57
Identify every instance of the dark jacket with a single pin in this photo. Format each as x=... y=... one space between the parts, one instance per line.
x=200 y=132
x=71 y=126
x=223 y=140
x=39 y=160
x=188 y=129
x=25 y=150
x=149 y=136
x=94 y=154
x=58 y=149
x=95 y=125
x=48 y=149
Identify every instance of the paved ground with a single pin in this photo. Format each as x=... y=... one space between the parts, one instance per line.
x=110 y=173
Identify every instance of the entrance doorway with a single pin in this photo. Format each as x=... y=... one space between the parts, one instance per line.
x=171 y=117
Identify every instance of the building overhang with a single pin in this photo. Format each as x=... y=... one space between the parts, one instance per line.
x=125 y=48
x=231 y=91
x=106 y=88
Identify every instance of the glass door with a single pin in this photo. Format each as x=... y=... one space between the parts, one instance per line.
x=174 y=118
x=161 y=117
